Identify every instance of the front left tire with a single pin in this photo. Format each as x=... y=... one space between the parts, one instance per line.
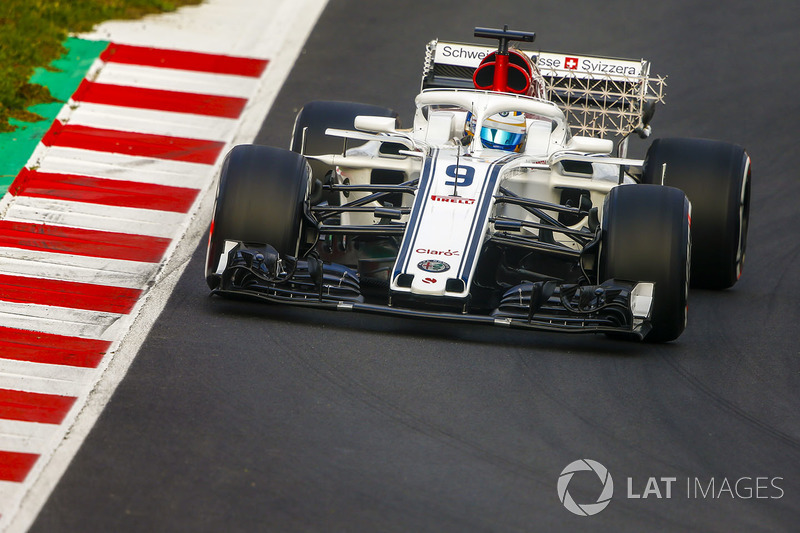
x=646 y=238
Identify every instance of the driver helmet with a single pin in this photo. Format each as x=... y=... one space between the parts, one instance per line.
x=503 y=131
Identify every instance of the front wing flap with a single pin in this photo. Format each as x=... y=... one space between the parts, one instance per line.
x=615 y=306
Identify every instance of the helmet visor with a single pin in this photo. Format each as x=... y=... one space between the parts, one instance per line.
x=501 y=139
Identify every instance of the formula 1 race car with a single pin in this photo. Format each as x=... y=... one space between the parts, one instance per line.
x=510 y=201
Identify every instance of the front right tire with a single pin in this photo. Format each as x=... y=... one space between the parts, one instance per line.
x=260 y=200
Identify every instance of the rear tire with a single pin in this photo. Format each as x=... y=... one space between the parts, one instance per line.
x=308 y=136
x=646 y=237
x=259 y=200
x=716 y=177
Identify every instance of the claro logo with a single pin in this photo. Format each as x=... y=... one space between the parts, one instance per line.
x=447 y=253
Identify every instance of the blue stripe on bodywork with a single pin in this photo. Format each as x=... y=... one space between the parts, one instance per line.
x=481 y=215
x=420 y=200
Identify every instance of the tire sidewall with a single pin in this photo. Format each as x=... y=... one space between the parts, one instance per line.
x=646 y=237
x=715 y=175
x=260 y=200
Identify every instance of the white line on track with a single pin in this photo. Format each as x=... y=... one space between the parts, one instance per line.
x=24 y=437
x=62 y=373
x=96 y=216
x=83 y=269
x=60 y=320
x=99 y=276
x=45 y=385
x=151 y=122
x=122 y=167
x=175 y=80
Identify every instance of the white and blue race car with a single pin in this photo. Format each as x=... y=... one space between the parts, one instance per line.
x=510 y=201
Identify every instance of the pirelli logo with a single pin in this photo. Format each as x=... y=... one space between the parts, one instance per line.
x=452 y=199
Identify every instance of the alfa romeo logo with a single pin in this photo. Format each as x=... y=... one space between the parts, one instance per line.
x=585 y=509
x=433 y=265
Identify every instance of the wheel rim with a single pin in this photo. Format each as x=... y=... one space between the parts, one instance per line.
x=744 y=219
x=688 y=270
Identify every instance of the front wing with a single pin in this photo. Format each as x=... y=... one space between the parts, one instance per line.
x=614 y=306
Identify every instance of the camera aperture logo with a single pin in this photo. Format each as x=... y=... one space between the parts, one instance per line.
x=660 y=487
x=585 y=509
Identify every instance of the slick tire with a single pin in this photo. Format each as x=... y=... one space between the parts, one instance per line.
x=308 y=135
x=716 y=177
x=646 y=237
x=259 y=200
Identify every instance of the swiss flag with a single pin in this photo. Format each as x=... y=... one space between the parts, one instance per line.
x=571 y=63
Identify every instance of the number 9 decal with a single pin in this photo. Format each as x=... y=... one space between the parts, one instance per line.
x=462 y=174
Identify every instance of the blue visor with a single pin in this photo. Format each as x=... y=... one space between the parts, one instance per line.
x=501 y=139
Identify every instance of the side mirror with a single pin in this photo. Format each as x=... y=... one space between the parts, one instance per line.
x=376 y=124
x=590 y=144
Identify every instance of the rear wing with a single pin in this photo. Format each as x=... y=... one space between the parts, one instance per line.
x=600 y=96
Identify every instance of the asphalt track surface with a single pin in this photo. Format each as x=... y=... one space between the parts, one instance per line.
x=248 y=417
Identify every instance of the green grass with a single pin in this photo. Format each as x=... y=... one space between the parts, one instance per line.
x=32 y=33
